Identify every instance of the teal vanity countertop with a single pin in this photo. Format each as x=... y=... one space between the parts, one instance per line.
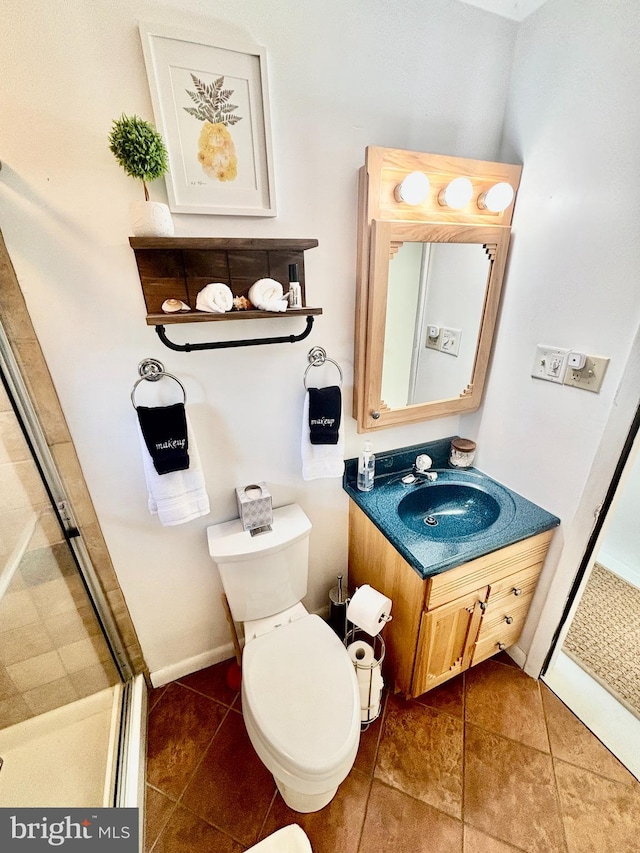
x=462 y=515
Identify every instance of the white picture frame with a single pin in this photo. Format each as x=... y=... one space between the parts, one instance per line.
x=211 y=105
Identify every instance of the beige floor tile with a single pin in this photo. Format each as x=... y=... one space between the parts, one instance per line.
x=479 y=842
x=29 y=641
x=13 y=710
x=505 y=701
x=83 y=654
x=600 y=815
x=59 y=596
x=420 y=753
x=230 y=773
x=510 y=793
x=447 y=697
x=55 y=694
x=572 y=742
x=158 y=810
x=36 y=671
x=95 y=678
x=186 y=833
x=334 y=828
x=181 y=727
x=17 y=609
x=398 y=823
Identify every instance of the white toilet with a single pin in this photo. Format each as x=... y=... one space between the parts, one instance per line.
x=300 y=697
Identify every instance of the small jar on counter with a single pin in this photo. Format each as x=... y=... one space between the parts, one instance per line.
x=462 y=453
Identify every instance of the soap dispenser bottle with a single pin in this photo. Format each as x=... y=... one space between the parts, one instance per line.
x=366 y=468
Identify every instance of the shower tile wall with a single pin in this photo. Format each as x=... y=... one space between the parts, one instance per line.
x=51 y=648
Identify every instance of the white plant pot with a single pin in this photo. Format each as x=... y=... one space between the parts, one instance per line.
x=150 y=219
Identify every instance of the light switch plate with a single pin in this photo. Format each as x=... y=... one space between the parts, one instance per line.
x=591 y=376
x=450 y=340
x=550 y=363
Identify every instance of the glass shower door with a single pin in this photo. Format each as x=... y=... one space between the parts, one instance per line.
x=60 y=681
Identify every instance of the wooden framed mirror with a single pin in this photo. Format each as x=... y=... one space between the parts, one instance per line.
x=425 y=278
x=428 y=289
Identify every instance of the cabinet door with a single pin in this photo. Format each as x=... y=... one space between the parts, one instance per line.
x=447 y=638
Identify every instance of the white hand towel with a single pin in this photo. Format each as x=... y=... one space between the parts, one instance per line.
x=266 y=294
x=216 y=298
x=179 y=496
x=320 y=460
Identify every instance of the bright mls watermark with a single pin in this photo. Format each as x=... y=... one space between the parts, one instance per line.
x=102 y=830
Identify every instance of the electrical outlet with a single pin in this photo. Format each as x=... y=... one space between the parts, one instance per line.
x=550 y=363
x=434 y=337
x=450 y=341
x=590 y=376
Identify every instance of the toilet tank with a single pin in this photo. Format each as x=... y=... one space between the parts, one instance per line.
x=267 y=573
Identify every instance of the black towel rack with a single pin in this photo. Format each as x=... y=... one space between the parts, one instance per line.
x=282 y=339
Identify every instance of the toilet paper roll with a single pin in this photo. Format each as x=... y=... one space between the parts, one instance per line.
x=369 y=609
x=370 y=689
x=361 y=653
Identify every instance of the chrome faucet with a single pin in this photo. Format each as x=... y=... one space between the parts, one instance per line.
x=421 y=469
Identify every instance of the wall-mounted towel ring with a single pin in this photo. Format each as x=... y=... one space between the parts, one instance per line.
x=151 y=369
x=316 y=358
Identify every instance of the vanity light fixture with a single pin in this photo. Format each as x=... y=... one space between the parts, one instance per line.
x=497 y=199
x=457 y=194
x=413 y=189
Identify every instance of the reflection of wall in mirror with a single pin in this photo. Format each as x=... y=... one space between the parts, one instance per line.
x=402 y=303
x=456 y=288
x=620 y=547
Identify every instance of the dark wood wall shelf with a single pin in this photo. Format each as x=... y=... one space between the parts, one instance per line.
x=179 y=267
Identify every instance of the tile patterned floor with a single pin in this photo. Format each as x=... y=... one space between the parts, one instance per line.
x=491 y=762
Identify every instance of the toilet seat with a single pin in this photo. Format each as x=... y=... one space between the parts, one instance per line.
x=300 y=688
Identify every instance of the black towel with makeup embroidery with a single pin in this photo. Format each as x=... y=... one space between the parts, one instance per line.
x=325 y=410
x=164 y=429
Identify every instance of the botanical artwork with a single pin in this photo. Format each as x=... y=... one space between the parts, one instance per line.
x=211 y=104
x=216 y=149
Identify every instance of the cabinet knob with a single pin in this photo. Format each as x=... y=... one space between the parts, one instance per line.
x=483 y=605
x=517 y=591
x=501 y=646
x=375 y=415
x=508 y=619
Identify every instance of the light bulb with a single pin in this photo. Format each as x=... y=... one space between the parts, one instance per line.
x=457 y=194
x=497 y=199
x=413 y=189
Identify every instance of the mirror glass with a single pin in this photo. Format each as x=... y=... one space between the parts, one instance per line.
x=435 y=300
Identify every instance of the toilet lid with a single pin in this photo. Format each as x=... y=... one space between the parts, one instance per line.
x=301 y=689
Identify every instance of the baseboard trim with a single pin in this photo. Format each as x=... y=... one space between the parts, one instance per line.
x=184 y=667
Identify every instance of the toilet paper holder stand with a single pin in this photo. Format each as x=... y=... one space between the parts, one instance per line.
x=366 y=672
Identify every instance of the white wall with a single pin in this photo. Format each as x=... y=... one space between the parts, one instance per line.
x=573 y=120
x=427 y=74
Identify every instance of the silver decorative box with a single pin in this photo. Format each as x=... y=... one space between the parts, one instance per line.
x=254 y=506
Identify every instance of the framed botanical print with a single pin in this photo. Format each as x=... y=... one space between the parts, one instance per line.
x=211 y=104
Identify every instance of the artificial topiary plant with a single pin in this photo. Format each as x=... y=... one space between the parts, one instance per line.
x=139 y=149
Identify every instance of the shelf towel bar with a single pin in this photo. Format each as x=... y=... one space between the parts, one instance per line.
x=151 y=370
x=317 y=357
x=284 y=339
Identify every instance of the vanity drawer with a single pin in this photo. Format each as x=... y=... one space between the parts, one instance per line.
x=503 y=613
x=500 y=637
x=524 y=557
x=516 y=587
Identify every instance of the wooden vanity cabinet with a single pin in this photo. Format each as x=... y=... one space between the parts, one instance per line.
x=451 y=621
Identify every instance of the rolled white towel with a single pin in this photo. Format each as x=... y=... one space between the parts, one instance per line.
x=216 y=298
x=267 y=295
